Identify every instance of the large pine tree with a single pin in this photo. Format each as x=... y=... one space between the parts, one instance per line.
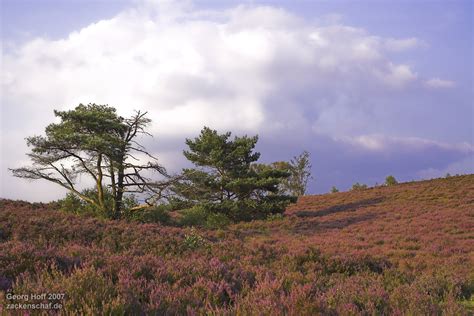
x=92 y=140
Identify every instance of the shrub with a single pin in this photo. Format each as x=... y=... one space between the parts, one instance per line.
x=390 y=180
x=193 y=240
x=275 y=217
x=217 y=220
x=73 y=204
x=155 y=214
x=358 y=187
x=334 y=190
x=202 y=217
x=195 y=216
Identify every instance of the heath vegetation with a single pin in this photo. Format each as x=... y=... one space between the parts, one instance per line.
x=405 y=249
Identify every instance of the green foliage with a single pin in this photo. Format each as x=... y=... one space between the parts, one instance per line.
x=358 y=187
x=224 y=181
x=202 y=217
x=90 y=127
x=298 y=170
x=300 y=174
x=334 y=190
x=73 y=204
x=193 y=240
x=154 y=214
x=175 y=203
x=195 y=216
x=390 y=180
x=217 y=220
x=277 y=169
x=275 y=217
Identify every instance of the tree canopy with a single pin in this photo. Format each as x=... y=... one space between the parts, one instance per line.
x=300 y=174
x=299 y=170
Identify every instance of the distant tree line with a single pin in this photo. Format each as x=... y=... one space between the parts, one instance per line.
x=389 y=181
x=226 y=183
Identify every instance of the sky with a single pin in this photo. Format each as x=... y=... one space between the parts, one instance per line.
x=369 y=88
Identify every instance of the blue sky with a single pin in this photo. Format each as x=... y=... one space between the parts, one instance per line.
x=370 y=88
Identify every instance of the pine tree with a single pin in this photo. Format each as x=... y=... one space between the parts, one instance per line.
x=92 y=140
x=224 y=181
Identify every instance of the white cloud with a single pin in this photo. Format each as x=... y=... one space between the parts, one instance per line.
x=397 y=45
x=169 y=58
x=396 y=76
x=439 y=83
x=382 y=143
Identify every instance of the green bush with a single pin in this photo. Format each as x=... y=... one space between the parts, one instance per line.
x=235 y=210
x=358 y=187
x=202 y=217
x=155 y=214
x=249 y=209
x=193 y=240
x=217 y=220
x=71 y=203
x=334 y=190
x=74 y=204
x=390 y=180
x=176 y=203
x=195 y=216
x=275 y=217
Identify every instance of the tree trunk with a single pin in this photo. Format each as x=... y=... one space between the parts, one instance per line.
x=120 y=188
x=100 y=189
x=113 y=186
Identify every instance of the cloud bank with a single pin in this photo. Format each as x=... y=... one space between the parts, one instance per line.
x=439 y=83
x=249 y=69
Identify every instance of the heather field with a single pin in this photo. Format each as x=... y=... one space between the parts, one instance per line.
x=406 y=249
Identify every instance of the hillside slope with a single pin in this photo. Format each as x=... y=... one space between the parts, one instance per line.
x=406 y=249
